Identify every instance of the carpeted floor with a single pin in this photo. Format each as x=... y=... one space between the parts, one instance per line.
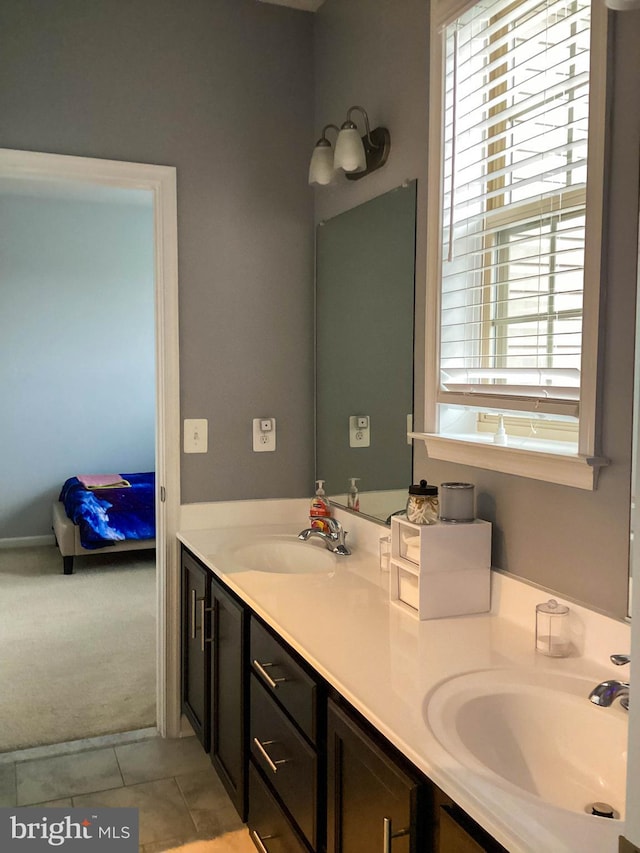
x=77 y=652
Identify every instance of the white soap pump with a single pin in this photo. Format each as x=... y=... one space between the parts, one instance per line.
x=501 y=434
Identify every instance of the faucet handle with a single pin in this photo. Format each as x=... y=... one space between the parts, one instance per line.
x=620 y=660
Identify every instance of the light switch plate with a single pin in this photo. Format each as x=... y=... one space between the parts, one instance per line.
x=264 y=434
x=196 y=438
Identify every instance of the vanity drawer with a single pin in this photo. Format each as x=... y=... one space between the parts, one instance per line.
x=284 y=678
x=286 y=759
x=269 y=829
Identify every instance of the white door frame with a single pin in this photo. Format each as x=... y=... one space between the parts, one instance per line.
x=161 y=181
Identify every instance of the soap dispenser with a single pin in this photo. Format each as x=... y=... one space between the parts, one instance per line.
x=353 y=498
x=319 y=509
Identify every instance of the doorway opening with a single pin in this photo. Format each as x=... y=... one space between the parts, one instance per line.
x=82 y=176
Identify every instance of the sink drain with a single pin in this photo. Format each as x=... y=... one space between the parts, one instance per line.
x=601 y=810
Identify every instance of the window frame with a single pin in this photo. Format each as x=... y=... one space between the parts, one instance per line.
x=579 y=469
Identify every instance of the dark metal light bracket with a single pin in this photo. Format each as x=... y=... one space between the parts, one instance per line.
x=376 y=154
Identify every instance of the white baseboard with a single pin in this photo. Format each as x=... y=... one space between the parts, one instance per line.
x=28 y=541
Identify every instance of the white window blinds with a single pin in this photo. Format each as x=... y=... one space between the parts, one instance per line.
x=516 y=103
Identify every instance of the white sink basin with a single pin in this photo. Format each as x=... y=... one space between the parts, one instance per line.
x=280 y=554
x=536 y=731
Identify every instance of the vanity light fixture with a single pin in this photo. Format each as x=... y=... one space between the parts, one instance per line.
x=356 y=156
x=321 y=168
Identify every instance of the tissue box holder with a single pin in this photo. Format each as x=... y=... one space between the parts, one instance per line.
x=441 y=569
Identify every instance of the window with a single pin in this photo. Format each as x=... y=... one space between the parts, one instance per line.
x=514 y=243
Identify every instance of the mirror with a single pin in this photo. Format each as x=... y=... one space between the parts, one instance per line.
x=365 y=281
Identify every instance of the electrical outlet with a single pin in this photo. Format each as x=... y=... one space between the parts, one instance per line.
x=359 y=431
x=196 y=438
x=264 y=434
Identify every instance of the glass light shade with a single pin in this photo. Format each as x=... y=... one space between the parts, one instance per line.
x=321 y=170
x=350 y=154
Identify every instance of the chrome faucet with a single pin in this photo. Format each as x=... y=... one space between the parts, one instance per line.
x=334 y=539
x=606 y=693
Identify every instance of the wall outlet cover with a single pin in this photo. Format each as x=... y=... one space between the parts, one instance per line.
x=264 y=435
x=359 y=431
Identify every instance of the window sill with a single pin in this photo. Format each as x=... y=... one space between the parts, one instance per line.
x=562 y=468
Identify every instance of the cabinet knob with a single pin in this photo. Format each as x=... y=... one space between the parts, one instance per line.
x=388 y=834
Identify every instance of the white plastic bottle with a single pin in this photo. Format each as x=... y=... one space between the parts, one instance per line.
x=353 y=498
x=500 y=436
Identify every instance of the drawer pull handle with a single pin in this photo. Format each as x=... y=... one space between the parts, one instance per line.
x=261 y=669
x=273 y=765
x=389 y=834
x=260 y=841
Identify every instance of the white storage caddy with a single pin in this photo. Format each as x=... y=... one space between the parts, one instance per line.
x=440 y=569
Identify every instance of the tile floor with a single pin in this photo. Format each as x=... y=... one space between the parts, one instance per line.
x=172 y=783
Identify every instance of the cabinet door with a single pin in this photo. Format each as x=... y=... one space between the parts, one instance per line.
x=374 y=806
x=195 y=624
x=229 y=694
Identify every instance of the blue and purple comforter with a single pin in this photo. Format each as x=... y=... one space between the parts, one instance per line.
x=107 y=516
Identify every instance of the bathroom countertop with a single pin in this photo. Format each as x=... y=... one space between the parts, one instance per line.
x=386 y=664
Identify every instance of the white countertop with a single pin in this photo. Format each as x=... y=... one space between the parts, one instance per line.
x=386 y=664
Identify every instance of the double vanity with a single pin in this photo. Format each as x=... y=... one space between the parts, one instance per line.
x=338 y=722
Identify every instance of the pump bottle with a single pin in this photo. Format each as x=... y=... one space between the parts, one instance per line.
x=319 y=509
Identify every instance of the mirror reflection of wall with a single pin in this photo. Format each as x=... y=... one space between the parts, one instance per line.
x=365 y=282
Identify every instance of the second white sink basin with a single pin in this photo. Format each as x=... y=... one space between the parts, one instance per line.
x=280 y=554
x=536 y=731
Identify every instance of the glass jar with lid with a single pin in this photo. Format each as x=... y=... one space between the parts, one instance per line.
x=422 y=504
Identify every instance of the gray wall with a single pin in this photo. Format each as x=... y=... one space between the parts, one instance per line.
x=571 y=541
x=221 y=89
x=77 y=353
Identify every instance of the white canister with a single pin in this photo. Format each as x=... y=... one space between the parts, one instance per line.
x=456 y=502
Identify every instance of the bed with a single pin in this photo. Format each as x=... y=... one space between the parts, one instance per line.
x=93 y=520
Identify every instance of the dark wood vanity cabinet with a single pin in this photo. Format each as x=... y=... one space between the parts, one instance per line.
x=214 y=676
x=195 y=630
x=375 y=801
